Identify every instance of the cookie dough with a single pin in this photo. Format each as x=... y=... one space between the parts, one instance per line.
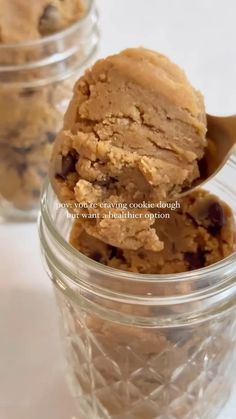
x=24 y=20
x=199 y=233
x=29 y=121
x=135 y=129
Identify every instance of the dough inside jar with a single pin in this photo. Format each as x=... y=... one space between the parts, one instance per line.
x=22 y=20
x=198 y=233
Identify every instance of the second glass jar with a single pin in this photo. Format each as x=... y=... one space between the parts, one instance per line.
x=36 y=80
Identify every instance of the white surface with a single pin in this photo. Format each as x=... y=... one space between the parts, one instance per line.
x=199 y=35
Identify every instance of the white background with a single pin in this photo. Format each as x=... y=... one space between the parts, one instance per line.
x=200 y=35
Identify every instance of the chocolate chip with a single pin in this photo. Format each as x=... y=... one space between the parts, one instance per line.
x=216 y=217
x=103 y=182
x=50 y=136
x=106 y=182
x=48 y=10
x=48 y=20
x=195 y=260
x=36 y=193
x=120 y=255
x=41 y=172
x=27 y=92
x=21 y=168
x=67 y=165
x=113 y=251
x=97 y=256
x=22 y=150
x=179 y=336
x=113 y=179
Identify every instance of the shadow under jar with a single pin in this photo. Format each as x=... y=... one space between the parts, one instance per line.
x=143 y=346
x=36 y=81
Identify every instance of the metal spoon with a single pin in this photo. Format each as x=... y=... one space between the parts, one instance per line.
x=221 y=133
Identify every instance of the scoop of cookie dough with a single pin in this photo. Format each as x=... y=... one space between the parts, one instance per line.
x=199 y=233
x=22 y=20
x=135 y=129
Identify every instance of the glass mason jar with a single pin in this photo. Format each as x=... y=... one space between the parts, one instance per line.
x=36 y=80
x=144 y=346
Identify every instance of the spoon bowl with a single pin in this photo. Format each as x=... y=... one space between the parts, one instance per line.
x=221 y=134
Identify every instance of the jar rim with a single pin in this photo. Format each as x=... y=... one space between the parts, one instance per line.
x=55 y=36
x=198 y=274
